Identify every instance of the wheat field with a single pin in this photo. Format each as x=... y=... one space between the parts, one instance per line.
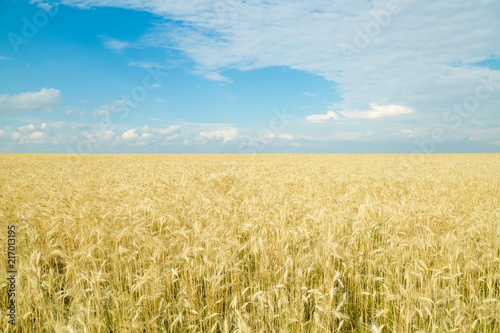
x=253 y=243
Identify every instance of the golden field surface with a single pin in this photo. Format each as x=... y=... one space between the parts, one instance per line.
x=252 y=243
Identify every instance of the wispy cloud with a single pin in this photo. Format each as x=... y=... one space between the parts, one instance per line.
x=114 y=44
x=308 y=37
x=213 y=76
x=144 y=64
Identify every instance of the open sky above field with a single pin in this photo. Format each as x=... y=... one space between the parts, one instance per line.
x=233 y=76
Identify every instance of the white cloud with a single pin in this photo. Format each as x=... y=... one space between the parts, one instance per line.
x=278 y=135
x=105 y=110
x=225 y=135
x=379 y=111
x=4 y=58
x=411 y=133
x=43 y=126
x=416 y=58
x=213 y=76
x=404 y=62
x=69 y=112
x=1 y=132
x=309 y=94
x=171 y=137
x=16 y=135
x=318 y=118
x=375 y=111
x=108 y=135
x=29 y=100
x=29 y=127
x=42 y=4
x=130 y=134
x=168 y=130
x=36 y=135
x=113 y=44
x=147 y=135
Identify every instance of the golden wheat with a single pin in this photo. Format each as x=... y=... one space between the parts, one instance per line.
x=253 y=243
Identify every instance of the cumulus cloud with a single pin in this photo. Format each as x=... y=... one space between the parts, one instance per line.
x=162 y=131
x=29 y=127
x=16 y=136
x=379 y=111
x=36 y=135
x=225 y=135
x=108 y=135
x=105 y=110
x=167 y=131
x=130 y=134
x=1 y=133
x=375 y=111
x=318 y=118
x=151 y=135
x=29 y=100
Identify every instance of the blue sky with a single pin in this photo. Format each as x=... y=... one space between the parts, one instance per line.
x=151 y=76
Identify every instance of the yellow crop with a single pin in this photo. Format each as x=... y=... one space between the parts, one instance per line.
x=252 y=243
